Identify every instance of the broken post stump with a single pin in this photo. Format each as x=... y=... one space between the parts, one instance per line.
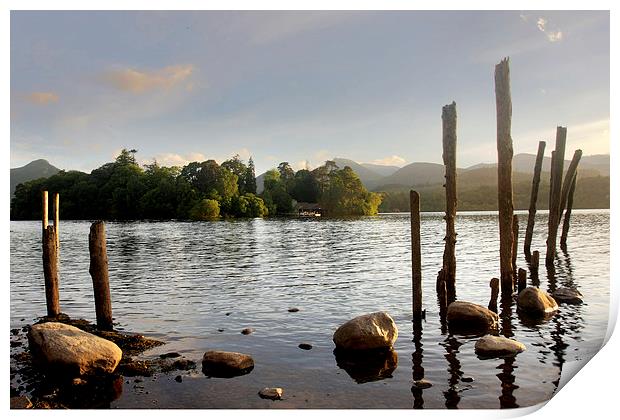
x=504 y=173
x=535 y=261
x=522 y=284
x=99 y=273
x=50 y=272
x=569 y=209
x=529 y=231
x=556 y=183
x=416 y=255
x=44 y=205
x=494 y=284
x=448 y=117
x=442 y=294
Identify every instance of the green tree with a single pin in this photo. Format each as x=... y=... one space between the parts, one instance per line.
x=205 y=209
x=305 y=187
x=236 y=166
x=346 y=195
x=249 y=178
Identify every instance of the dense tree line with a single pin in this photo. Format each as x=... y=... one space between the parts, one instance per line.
x=590 y=193
x=123 y=190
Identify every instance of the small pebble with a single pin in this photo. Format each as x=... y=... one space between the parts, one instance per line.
x=179 y=378
x=467 y=379
x=422 y=384
x=170 y=355
x=228 y=313
x=271 y=393
x=305 y=346
x=220 y=329
x=247 y=331
x=293 y=309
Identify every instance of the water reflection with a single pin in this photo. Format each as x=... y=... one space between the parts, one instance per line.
x=367 y=366
x=507 y=376
x=418 y=369
x=452 y=395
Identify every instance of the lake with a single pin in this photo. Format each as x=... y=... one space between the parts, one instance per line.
x=184 y=282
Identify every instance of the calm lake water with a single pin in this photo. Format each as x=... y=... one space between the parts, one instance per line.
x=177 y=282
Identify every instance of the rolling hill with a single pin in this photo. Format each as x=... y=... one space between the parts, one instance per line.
x=39 y=168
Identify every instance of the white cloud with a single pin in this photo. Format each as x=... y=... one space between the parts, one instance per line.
x=552 y=36
x=174 y=159
x=302 y=164
x=541 y=22
x=393 y=160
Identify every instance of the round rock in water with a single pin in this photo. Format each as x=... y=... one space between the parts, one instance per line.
x=293 y=309
x=493 y=346
x=422 y=384
x=367 y=332
x=567 y=295
x=536 y=302
x=271 y=393
x=67 y=350
x=247 y=331
x=305 y=346
x=471 y=317
x=226 y=364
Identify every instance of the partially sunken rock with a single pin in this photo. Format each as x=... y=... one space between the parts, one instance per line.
x=536 y=302
x=271 y=393
x=226 y=364
x=466 y=316
x=493 y=346
x=68 y=350
x=567 y=295
x=367 y=332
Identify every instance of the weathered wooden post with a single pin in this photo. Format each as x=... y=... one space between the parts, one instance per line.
x=503 y=104
x=571 y=173
x=522 y=280
x=535 y=260
x=515 y=241
x=529 y=231
x=99 y=272
x=442 y=295
x=416 y=255
x=448 y=117
x=494 y=284
x=44 y=205
x=50 y=272
x=569 y=209
x=556 y=183
x=57 y=220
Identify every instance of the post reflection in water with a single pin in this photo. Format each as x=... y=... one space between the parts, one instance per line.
x=506 y=376
x=452 y=395
x=418 y=369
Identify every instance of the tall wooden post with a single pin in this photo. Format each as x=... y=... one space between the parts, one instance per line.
x=529 y=231
x=416 y=255
x=57 y=219
x=556 y=182
x=503 y=104
x=99 y=272
x=515 y=241
x=569 y=209
x=571 y=173
x=44 y=205
x=50 y=272
x=448 y=117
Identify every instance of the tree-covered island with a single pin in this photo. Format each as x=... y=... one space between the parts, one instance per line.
x=124 y=190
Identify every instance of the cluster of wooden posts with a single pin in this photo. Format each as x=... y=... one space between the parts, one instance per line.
x=98 y=265
x=560 y=202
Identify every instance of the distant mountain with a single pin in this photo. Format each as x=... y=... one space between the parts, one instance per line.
x=260 y=183
x=369 y=177
x=36 y=169
x=383 y=170
x=524 y=162
x=417 y=173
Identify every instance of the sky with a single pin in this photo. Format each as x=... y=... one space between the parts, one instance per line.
x=301 y=87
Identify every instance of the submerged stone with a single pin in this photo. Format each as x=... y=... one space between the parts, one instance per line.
x=470 y=317
x=226 y=364
x=247 y=331
x=367 y=332
x=493 y=346
x=536 y=302
x=568 y=295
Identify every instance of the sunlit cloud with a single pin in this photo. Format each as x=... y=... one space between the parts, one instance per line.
x=141 y=81
x=42 y=98
x=302 y=164
x=393 y=160
x=174 y=159
x=552 y=36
